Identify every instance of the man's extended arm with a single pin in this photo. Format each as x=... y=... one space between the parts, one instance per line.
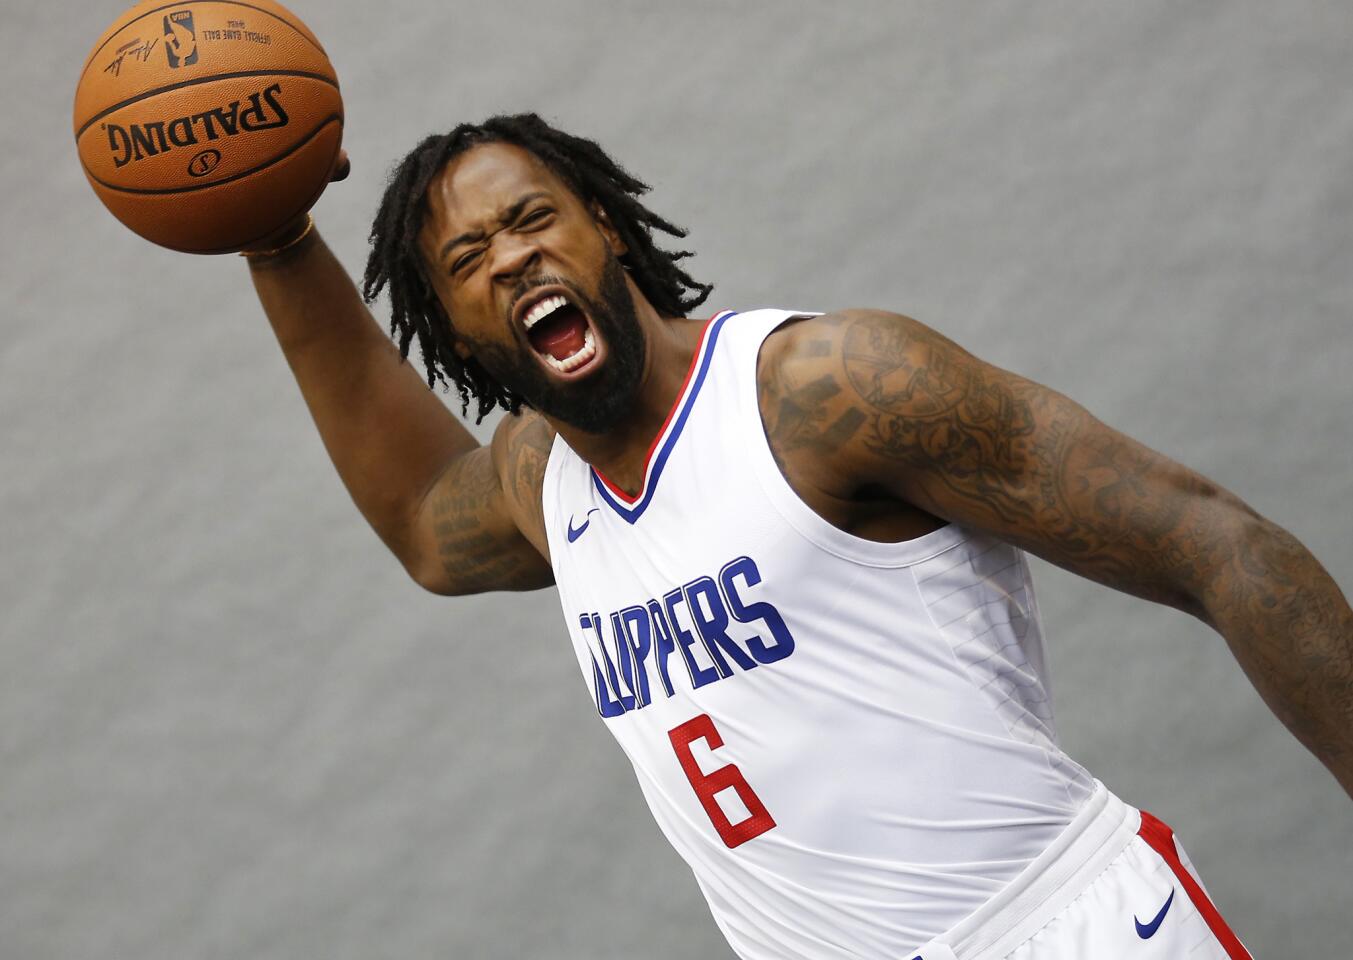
x=432 y=493
x=982 y=447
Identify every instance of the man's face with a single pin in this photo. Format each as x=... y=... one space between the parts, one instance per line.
x=530 y=278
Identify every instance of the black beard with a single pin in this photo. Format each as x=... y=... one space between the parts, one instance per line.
x=599 y=403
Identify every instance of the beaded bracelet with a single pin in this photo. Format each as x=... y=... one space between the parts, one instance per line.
x=265 y=254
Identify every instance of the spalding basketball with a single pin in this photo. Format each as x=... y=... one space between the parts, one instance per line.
x=206 y=126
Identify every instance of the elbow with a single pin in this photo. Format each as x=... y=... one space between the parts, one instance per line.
x=437 y=582
x=430 y=575
x=1256 y=561
x=420 y=560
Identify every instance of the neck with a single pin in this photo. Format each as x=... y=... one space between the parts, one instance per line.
x=621 y=452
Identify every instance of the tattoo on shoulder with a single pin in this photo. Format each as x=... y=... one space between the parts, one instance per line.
x=525 y=474
x=806 y=416
x=928 y=409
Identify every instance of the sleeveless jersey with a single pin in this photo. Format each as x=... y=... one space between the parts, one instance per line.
x=849 y=742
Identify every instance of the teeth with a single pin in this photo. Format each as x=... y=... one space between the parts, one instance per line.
x=542 y=310
x=588 y=351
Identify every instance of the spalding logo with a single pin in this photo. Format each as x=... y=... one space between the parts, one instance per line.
x=204 y=163
x=136 y=141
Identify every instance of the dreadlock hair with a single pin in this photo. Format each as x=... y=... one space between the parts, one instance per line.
x=395 y=261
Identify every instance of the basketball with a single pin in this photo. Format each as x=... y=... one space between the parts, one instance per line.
x=206 y=126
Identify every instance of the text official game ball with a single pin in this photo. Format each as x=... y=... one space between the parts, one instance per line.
x=205 y=126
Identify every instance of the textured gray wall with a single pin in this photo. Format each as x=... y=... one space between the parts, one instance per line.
x=230 y=727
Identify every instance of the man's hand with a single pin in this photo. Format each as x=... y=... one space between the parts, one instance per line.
x=287 y=234
x=939 y=429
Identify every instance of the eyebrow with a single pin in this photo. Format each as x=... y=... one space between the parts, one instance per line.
x=510 y=214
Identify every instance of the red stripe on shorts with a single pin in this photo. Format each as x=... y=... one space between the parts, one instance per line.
x=1160 y=838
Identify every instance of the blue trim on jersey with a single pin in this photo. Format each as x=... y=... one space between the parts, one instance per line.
x=632 y=514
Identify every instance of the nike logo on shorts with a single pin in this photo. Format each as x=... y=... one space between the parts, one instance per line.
x=1148 y=930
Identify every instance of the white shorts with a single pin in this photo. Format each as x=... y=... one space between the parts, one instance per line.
x=1115 y=886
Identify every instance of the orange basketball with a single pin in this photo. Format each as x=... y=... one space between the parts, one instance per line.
x=206 y=125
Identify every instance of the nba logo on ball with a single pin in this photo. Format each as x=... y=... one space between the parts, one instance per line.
x=180 y=39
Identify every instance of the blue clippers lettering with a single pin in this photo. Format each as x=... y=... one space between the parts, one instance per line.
x=698 y=621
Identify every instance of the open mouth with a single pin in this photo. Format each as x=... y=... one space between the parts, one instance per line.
x=559 y=333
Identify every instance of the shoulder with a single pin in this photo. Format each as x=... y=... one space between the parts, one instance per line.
x=830 y=386
x=844 y=354
x=521 y=449
x=830 y=341
x=811 y=414
x=523 y=432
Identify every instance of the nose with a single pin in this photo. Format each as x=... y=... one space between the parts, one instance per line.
x=513 y=257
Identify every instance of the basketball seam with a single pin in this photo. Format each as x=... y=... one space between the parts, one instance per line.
x=189 y=83
x=332 y=118
x=189 y=3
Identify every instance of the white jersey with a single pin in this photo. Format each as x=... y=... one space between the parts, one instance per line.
x=850 y=743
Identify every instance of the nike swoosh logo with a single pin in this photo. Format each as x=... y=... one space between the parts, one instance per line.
x=1148 y=930
x=575 y=534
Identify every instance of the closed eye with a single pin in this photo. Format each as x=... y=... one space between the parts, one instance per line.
x=465 y=261
x=537 y=218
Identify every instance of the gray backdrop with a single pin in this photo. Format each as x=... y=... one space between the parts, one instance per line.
x=231 y=727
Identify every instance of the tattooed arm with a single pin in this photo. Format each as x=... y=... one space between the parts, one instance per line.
x=458 y=516
x=480 y=526
x=925 y=422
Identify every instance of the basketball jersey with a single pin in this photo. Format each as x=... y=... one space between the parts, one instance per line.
x=849 y=742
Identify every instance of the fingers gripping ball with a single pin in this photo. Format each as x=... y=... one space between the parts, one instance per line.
x=206 y=126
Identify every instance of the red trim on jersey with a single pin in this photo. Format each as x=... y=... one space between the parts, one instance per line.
x=1160 y=838
x=676 y=405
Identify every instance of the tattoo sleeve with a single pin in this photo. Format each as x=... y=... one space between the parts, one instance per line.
x=477 y=548
x=991 y=450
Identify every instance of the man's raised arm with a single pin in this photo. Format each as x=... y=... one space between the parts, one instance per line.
x=982 y=447
x=426 y=486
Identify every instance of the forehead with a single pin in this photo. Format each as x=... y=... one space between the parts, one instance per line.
x=474 y=188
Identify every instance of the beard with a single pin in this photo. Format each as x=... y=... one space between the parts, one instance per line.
x=598 y=403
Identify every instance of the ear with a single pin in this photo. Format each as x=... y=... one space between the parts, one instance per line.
x=608 y=230
x=458 y=346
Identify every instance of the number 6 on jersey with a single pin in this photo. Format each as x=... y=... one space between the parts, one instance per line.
x=706 y=785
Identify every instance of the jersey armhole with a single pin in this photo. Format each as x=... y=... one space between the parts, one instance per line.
x=801 y=517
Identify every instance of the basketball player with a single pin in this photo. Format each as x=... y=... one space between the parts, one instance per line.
x=789 y=550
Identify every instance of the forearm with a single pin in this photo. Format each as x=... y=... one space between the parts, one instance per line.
x=388 y=435
x=1291 y=629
